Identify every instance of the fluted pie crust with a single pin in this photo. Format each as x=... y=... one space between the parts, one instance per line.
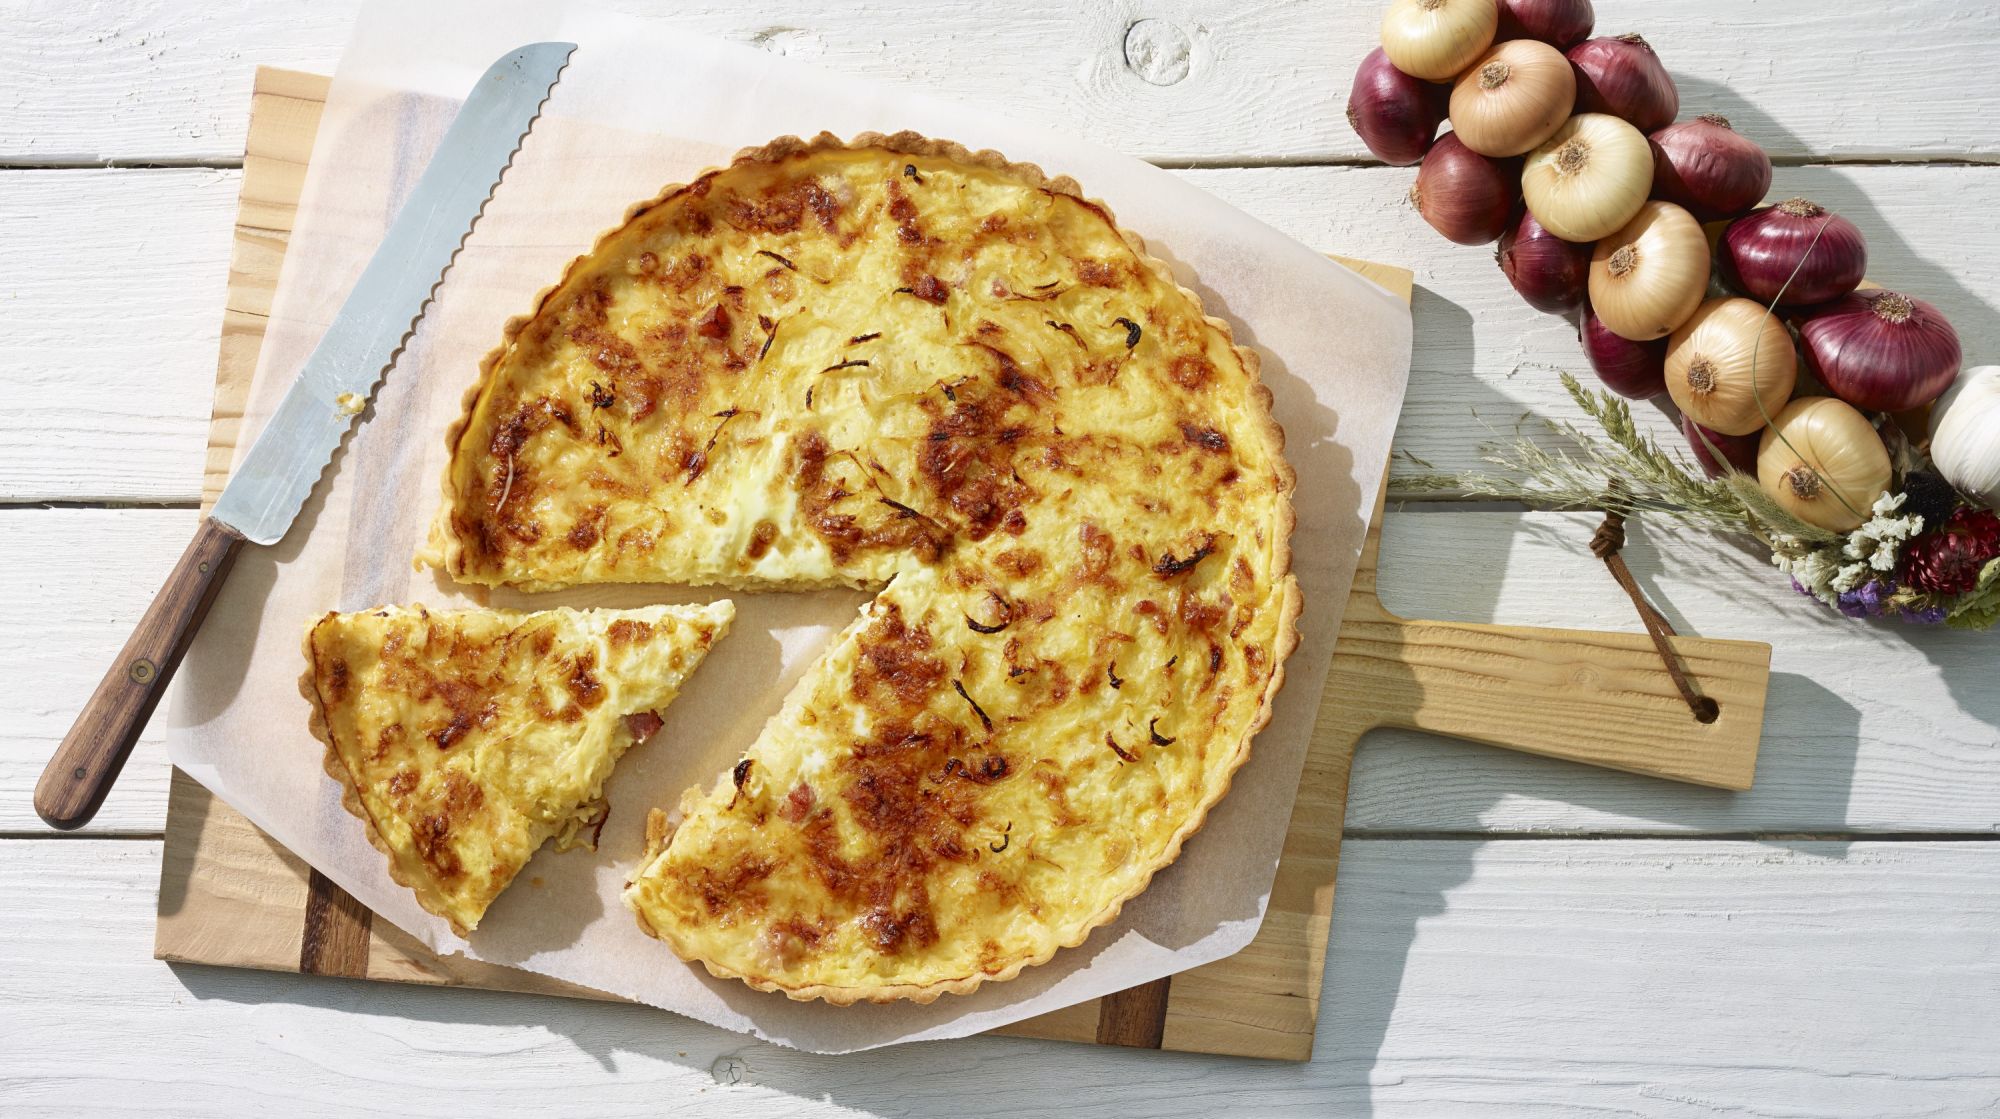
x=897 y=364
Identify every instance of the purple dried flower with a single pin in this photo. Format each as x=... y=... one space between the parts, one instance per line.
x=1872 y=594
x=1864 y=601
x=1927 y=616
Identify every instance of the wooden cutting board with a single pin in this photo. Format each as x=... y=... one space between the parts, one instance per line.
x=230 y=895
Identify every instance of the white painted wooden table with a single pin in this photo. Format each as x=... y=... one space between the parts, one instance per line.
x=1513 y=936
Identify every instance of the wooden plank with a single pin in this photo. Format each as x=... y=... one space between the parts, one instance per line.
x=109 y=332
x=1137 y=1018
x=1551 y=978
x=1177 y=80
x=1548 y=978
x=287 y=107
x=79 y=580
x=240 y=873
x=1483 y=359
x=333 y=936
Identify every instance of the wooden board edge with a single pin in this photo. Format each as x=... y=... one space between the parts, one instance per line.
x=298 y=84
x=285 y=106
x=1395 y=279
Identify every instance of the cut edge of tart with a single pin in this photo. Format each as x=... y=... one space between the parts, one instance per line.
x=686 y=635
x=445 y=552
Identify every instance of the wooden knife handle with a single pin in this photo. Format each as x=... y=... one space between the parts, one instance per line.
x=73 y=786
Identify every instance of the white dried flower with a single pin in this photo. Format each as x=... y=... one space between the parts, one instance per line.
x=1879 y=542
x=1897 y=528
x=1815 y=570
x=1849 y=577
x=1790 y=544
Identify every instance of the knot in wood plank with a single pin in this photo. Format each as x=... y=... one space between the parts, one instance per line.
x=1158 y=51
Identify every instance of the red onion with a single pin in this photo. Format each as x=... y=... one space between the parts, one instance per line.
x=1628 y=368
x=1395 y=114
x=1739 y=451
x=1561 y=24
x=1709 y=169
x=1881 y=351
x=1622 y=76
x=1759 y=254
x=1550 y=273
x=1464 y=195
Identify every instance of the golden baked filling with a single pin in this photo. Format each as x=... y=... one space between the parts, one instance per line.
x=896 y=364
x=465 y=739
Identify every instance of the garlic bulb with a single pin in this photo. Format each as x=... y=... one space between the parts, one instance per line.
x=1965 y=435
x=1822 y=462
x=1435 y=39
x=1731 y=366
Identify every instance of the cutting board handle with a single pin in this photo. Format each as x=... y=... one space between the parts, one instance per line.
x=1598 y=698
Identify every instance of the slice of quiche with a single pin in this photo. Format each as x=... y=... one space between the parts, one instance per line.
x=464 y=739
x=900 y=365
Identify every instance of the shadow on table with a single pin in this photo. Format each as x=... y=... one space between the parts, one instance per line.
x=1965 y=661
x=1893 y=263
x=1369 y=949
x=733 y=1074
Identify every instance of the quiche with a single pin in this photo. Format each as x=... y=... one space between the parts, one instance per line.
x=465 y=739
x=895 y=364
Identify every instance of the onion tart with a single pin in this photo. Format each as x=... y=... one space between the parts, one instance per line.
x=899 y=365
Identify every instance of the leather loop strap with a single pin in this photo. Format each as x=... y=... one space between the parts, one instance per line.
x=1605 y=544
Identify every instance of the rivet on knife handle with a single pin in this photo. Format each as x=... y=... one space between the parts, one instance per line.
x=73 y=786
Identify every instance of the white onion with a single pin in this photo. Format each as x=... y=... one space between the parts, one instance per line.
x=1435 y=39
x=1590 y=178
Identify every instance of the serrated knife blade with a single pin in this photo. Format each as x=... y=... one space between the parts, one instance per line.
x=274 y=479
x=272 y=482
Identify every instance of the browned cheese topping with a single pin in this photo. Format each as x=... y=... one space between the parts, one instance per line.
x=948 y=379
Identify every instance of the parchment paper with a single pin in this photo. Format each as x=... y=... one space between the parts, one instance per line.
x=642 y=105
